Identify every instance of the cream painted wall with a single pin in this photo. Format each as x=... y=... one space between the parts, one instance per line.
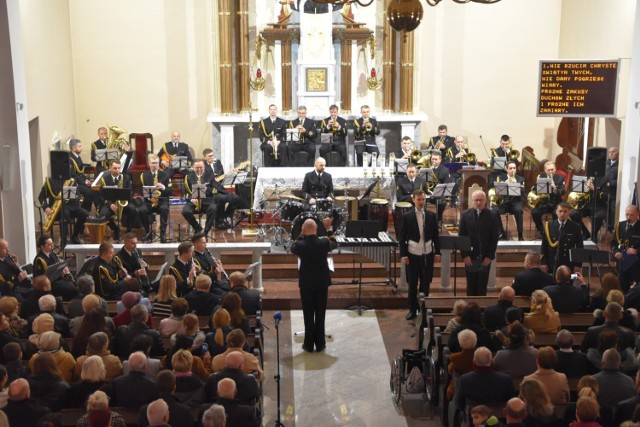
x=144 y=66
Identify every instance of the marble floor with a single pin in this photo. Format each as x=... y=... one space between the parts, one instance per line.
x=348 y=383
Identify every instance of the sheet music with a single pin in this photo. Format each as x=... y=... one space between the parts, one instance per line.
x=98 y=178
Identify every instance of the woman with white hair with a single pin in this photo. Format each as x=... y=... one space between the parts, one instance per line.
x=542 y=319
x=98 y=413
x=49 y=342
x=92 y=379
x=462 y=361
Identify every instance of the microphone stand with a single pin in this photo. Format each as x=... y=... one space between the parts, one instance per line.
x=278 y=423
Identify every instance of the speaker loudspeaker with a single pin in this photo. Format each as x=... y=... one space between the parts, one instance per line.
x=596 y=161
x=59 y=161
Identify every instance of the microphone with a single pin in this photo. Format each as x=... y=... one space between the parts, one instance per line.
x=277 y=316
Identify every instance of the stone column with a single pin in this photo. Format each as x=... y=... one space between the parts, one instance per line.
x=406 y=74
x=345 y=75
x=242 y=55
x=388 y=65
x=286 y=75
x=226 y=43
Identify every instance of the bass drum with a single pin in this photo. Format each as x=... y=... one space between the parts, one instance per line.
x=401 y=209
x=379 y=211
x=296 y=225
x=290 y=210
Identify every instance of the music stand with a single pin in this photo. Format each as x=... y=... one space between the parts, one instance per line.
x=455 y=244
x=579 y=184
x=439 y=192
x=401 y=166
x=292 y=135
x=498 y=163
x=199 y=192
x=54 y=271
x=362 y=230
x=147 y=193
x=592 y=257
x=250 y=272
x=87 y=267
x=326 y=138
x=543 y=186
x=155 y=284
x=179 y=162
x=68 y=193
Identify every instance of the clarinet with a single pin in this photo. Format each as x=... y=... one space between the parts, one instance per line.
x=226 y=276
x=144 y=280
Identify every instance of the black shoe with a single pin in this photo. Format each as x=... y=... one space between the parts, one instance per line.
x=411 y=315
x=163 y=239
x=76 y=240
x=520 y=238
x=222 y=225
x=147 y=237
x=197 y=230
x=305 y=348
x=320 y=348
x=502 y=236
x=586 y=236
x=116 y=234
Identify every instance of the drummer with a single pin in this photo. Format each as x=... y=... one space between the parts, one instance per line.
x=406 y=185
x=317 y=186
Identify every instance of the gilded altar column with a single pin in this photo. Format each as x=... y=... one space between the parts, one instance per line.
x=406 y=74
x=226 y=43
x=345 y=75
x=287 y=81
x=388 y=64
x=242 y=54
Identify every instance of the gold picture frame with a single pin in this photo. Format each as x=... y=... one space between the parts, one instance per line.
x=316 y=79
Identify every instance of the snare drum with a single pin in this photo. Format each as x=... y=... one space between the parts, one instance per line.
x=296 y=225
x=349 y=204
x=290 y=210
x=401 y=209
x=379 y=211
x=324 y=205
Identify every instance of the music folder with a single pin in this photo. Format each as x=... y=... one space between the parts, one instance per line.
x=325 y=138
x=366 y=229
x=251 y=271
x=498 y=163
x=292 y=135
x=579 y=184
x=54 y=271
x=112 y=193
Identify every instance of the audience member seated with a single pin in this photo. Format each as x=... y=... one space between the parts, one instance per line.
x=494 y=315
x=251 y=299
x=21 y=410
x=98 y=345
x=165 y=296
x=214 y=416
x=587 y=387
x=201 y=299
x=158 y=413
x=41 y=286
x=567 y=297
x=540 y=410
x=134 y=389
x=515 y=412
x=615 y=386
x=232 y=303
x=236 y=341
x=12 y=353
x=92 y=378
x=238 y=414
x=201 y=365
x=129 y=300
x=247 y=385
x=189 y=388
x=98 y=412
x=612 y=315
x=173 y=324
x=542 y=319
x=518 y=359
x=555 y=383
x=462 y=361
x=49 y=343
x=138 y=325
x=481 y=416
x=587 y=412
x=626 y=408
x=532 y=277
x=628 y=317
x=91 y=302
x=46 y=383
x=471 y=318
x=5 y=338
x=143 y=343
x=191 y=326
x=4 y=389
x=47 y=304
x=454 y=322
x=219 y=328
x=9 y=307
x=501 y=337
x=41 y=324
x=606 y=340
x=93 y=321
x=85 y=287
x=179 y=413
x=599 y=298
x=574 y=364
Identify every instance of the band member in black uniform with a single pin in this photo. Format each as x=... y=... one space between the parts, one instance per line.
x=205 y=205
x=111 y=207
x=317 y=184
x=171 y=149
x=407 y=185
x=440 y=175
x=406 y=147
x=212 y=166
x=365 y=129
x=273 y=133
x=442 y=141
x=457 y=152
x=314 y=281
x=548 y=205
x=306 y=137
x=210 y=266
x=184 y=269
x=160 y=203
x=337 y=127
x=419 y=245
x=625 y=244
x=52 y=192
x=609 y=185
x=100 y=144
x=505 y=147
x=62 y=287
x=130 y=258
x=560 y=236
x=481 y=225
x=511 y=204
x=13 y=280
x=110 y=278
x=77 y=173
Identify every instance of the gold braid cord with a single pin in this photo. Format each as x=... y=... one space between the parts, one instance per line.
x=176 y=273
x=546 y=233
x=104 y=270
x=50 y=190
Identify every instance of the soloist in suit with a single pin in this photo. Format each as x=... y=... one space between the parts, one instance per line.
x=338 y=141
x=368 y=136
x=306 y=141
x=548 y=205
x=172 y=149
x=405 y=188
x=570 y=237
x=483 y=230
x=627 y=236
x=273 y=128
x=158 y=204
x=609 y=185
x=420 y=265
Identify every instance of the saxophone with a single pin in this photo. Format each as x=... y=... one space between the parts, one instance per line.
x=121 y=204
x=156 y=194
x=198 y=201
x=57 y=205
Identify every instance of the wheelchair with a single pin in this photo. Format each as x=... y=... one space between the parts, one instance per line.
x=402 y=366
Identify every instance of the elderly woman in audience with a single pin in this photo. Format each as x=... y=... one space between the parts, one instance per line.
x=587 y=387
x=189 y=387
x=236 y=341
x=200 y=366
x=48 y=304
x=518 y=358
x=93 y=321
x=542 y=319
x=609 y=339
x=173 y=324
x=48 y=388
x=49 y=343
x=471 y=318
x=216 y=338
x=462 y=361
x=98 y=345
x=91 y=302
x=233 y=304
x=628 y=319
x=165 y=296
x=540 y=410
x=454 y=322
x=10 y=308
x=143 y=343
x=555 y=383
x=92 y=378
x=98 y=412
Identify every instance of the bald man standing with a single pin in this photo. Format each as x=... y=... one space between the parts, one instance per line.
x=315 y=278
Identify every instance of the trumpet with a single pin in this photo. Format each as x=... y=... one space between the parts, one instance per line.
x=274 y=143
x=333 y=124
x=368 y=127
x=440 y=144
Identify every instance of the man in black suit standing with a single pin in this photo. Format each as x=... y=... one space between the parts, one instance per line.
x=548 y=205
x=441 y=141
x=307 y=133
x=419 y=247
x=625 y=244
x=174 y=148
x=407 y=185
x=315 y=278
x=365 y=129
x=609 y=185
x=532 y=277
x=272 y=133
x=337 y=127
x=511 y=204
x=481 y=225
x=560 y=236
x=160 y=203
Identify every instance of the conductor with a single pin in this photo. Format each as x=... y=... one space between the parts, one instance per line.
x=315 y=278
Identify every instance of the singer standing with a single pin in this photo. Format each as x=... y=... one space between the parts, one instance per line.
x=419 y=247
x=315 y=278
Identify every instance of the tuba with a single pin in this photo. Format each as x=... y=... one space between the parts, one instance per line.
x=114 y=140
x=534 y=199
x=55 y=209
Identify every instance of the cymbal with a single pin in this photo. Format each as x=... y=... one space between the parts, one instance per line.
x=272 y=198
x=292 y=197
x=343 y=198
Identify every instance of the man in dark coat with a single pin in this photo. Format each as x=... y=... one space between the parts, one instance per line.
x=419 y=247
x=494 y=315
x=246 y=384
x=125 y=334
x=238 y=414
x=305 y=141
x=560 y=236
x=481 y=225
x=532 y=277
x=337 y=127
x=406 y=185
x=134 y=389
x=251 y=299
x=625 y=245
x=574 y=364
x=20 y=410
x=179 y=413
x=565 y=296
x=612 y=315
x=315 y=278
